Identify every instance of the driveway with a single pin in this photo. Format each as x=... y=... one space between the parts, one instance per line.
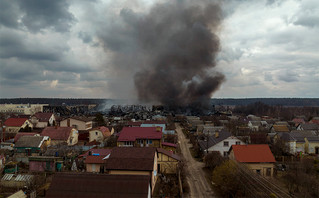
x=199 y=187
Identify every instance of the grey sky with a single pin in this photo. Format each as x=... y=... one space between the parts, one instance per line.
x=54 y=48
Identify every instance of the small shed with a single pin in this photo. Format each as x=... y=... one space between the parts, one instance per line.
x=16 y=181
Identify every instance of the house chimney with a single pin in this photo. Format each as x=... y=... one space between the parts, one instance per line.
x=158 y=129
x=216 y=134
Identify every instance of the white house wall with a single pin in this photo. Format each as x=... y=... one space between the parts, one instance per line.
x=220 y=145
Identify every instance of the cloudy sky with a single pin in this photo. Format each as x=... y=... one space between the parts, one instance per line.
x=54 y=49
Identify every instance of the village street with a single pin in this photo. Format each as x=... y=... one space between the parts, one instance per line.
x=199 y=187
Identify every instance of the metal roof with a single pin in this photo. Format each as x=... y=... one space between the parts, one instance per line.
x=8 y=177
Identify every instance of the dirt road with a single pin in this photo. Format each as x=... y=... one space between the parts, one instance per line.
x=199 y=187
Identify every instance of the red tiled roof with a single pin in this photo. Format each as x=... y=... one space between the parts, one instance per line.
x=15 y=122
x=169 y=144
x=57 y=133
x=20 y=134
x=83 y=185
x=95 y=159
x=131 y=158
x=97 y=151
x=43 y=117
x=253 y=153
x=133 y=133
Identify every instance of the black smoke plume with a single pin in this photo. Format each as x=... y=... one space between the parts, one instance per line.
x=169 y=51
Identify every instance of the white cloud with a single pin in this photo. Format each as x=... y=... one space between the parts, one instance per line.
x=54 y=83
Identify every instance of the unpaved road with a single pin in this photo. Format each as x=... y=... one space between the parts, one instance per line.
x=199 y=187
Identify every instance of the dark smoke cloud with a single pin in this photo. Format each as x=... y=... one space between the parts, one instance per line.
x=170 y=51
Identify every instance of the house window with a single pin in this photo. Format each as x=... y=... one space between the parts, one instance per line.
x=148 y=141
x=127 y=143
x=268 y=172
x=225 y=143
x=237 y=142
x=258 y=171
x=140 y=141
x=96 y=133
x=225 y=153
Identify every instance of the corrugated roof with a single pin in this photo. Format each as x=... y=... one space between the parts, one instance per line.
x=15 y=122
x=30 y=141
x=57 y=133
x=253 y=153
x=309 y=126
x=133 y=133
x=20 y=134
x=65 y=185
x=23 y=178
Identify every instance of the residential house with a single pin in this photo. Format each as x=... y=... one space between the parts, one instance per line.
x=279 y=128
x=167 y=162
x=100 y=134
x=59 y=135
x=298 y=121
x=220 y=141
x=42 y=120
x=14 y=125
x=211 y=130
x=45 y=164
x=306 y=141
x=254 y=125
x=95 y=160
x=20 y=134
x=30 y=146
x=314 y=120
x=79 y=123
x=80 y=185
x=154 y=123
x=133 y=161
x=309 y=127
x=256 y=157
x=140 y=137
x=289 y=140
x=253 y=117
x=158 y=123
